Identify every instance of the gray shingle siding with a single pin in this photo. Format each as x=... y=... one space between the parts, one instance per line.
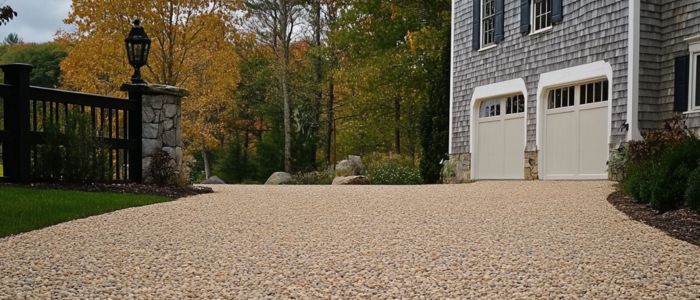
x=591 y=31
x=664 y=26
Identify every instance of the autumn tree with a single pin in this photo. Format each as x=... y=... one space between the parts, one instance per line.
x=192 y=48
x=274 y=23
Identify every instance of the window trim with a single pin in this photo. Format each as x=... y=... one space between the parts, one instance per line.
x=533 y=19
x=693 y=86
x=482 y=34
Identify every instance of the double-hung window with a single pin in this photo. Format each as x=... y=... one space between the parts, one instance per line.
x=488 y=22
x=541 y=15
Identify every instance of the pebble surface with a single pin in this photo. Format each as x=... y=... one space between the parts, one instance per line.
x=487 y=240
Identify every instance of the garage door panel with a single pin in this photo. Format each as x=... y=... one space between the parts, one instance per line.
x=593 y=146
x=514 y=147
x=491 y=150
x=562 y=144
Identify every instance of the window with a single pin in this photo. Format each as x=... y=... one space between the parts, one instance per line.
x=697 y=80
x=488 y=22
x=561 y=97
x=491 y=108
x=541 y=15
x=594 y=92
x=515 y=105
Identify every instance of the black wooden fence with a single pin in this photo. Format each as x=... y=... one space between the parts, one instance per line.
x=28 y=110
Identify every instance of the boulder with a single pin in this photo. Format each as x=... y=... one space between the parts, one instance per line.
x=279 y=178
x=213 y=180
x=351 y=180
x=352 y=166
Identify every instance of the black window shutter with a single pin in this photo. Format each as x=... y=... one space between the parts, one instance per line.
x=476 y=25
x=498 y=35
x=680 y=94
x=557 y=11
x=525 y=16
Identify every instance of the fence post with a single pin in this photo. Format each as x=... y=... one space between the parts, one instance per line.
x=135 y=133
x=16 y=151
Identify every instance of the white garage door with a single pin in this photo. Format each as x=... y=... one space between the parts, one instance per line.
x=500 y=139
x=576 y=132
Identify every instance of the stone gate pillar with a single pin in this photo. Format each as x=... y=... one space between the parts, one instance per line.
x=161 y=118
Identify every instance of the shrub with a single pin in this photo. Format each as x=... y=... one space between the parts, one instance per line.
x=313 y=178
x=391 y=173
x=72 y=152
x=670 y=176
x=163 y=169
x=692 y=193
x=234 y=165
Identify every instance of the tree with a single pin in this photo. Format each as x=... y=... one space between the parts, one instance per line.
x=274 y=23
x=192 y=48
x=45 y=58
x=6 y=14
x=12 y=39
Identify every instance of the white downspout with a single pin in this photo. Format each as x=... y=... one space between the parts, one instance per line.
x=633 y=133
x=452 y=76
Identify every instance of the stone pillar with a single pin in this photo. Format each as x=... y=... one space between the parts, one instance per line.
x=161 y=112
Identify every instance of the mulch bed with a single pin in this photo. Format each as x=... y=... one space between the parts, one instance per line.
x=683 y=224
x=173 y=192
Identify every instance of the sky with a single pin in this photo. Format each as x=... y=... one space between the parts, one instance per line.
x=37 y=21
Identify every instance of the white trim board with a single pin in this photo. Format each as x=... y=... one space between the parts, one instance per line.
x=565 y=77
x=486 y=92
x=452 y=80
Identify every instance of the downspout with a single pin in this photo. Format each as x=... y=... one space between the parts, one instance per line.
x=633 y=133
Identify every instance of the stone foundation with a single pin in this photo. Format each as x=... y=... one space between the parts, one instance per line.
x=460 y=166
x=531 y=165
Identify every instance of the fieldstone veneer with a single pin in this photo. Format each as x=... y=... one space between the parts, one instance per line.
x=161 y=112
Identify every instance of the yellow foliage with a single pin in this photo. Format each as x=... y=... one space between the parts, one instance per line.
x=192 y=47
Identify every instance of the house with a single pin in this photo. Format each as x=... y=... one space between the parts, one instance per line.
x=546 y=89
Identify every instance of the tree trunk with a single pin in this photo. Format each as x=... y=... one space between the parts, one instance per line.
x=207 y=169
x=318 y=68
x=287 y=123
x=397 y=124
x=330 y=122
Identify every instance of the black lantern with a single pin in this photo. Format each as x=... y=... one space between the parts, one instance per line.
x=137 y=47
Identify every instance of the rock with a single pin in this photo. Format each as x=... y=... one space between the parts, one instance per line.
x=352 y=166
x=148 y=114
x=170 y=138
x=170 y=110
x=150 y=146
x=213 y=180
x=279 y=178
x=150 y=131
x=351 y=180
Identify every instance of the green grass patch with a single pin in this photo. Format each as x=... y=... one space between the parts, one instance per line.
x=24 y=209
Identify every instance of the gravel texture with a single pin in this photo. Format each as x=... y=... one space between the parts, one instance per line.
x=499 y=240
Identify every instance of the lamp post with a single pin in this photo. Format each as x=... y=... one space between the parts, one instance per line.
x=138 y=46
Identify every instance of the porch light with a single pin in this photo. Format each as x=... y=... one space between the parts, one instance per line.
x=137 y=47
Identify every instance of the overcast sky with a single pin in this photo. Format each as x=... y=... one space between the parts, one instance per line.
x=37 y=20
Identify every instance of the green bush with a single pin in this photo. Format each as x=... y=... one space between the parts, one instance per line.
x=692 y=193
x=670 y=176
x=72 y=152
x=392 y=173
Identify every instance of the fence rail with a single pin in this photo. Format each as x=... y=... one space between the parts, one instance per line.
x=33 y=115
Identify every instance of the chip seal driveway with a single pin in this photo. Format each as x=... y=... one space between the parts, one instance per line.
x=488 y=240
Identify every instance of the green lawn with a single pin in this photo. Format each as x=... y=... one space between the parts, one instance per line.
x=24 y=209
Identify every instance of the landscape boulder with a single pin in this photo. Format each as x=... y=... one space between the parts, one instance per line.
x=352 y=166
x=351 y=180
x=213 y=180
x=279 y=178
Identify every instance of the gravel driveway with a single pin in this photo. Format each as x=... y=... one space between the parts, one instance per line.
x=501 y=240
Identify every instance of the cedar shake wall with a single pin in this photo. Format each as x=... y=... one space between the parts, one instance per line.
x=591 y=31
x=664 y=26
